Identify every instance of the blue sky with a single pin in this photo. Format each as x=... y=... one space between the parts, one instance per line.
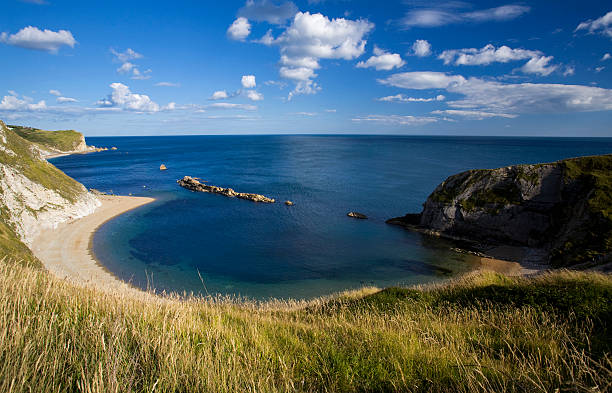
x=318 y=66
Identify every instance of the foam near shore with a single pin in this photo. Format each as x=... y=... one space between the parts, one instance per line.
x=65 y=250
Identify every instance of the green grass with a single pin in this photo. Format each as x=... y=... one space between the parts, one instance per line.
x=64 y=140
x=484 y=332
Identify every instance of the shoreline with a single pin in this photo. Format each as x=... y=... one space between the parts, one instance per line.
x=66 y=250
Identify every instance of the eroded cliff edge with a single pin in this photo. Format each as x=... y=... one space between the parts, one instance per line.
x=563 y=208
x=34 y=194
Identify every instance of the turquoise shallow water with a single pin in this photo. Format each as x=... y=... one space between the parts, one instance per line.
x=205 y=243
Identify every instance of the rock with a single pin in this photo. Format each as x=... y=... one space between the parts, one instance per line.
x=113 y=148
x=289 y=203
x=357 y=215
x=557 y=207
x=162 y=167
x=192 y=184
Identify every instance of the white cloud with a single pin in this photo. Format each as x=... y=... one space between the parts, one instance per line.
x=486 y=55
x=128 y=54
x=53 y=92
x=33 y=38
x=476 y=115
x=382 y=60
x=403 y=98
x=123 y=98
x=136 y=74
x=331 y=110
x=308 y=114
x=248 y=81
x=268 y=11
x=423 y=80
x=227 y=105
x=606 y=57
x=167 y=84
x=219 y=95
x=539 y=65
x=421 y=48
x=402 y=120
x=63 y=100
x=599 y=69
x=13 y=103
x=444 y=15
x=602 y=25
x=496 y=97
x=311 y=37
x=254 y=96
x=125 y=67
x=569 y=70
x=239 y=29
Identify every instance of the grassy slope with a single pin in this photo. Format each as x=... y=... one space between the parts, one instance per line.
x=483 y=333
x=38 y=171
x=65 y=140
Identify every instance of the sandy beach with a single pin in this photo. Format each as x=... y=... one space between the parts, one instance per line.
x=65 y=251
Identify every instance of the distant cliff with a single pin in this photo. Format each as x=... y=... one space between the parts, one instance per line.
x=54 y=142
x=34 y=194
x=563 y=207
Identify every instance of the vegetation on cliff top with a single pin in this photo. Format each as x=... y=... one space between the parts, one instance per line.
x=63 y=140
x=24 y=159
x=485 y=332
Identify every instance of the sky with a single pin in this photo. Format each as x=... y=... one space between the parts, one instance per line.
x=539 y=68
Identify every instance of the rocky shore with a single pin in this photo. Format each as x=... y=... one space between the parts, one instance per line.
x=561 y=211
x=193 y=184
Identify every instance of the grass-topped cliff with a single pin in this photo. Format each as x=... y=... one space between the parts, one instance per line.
x=54 y=141
x=563 y=207
x=30 y=189
x=482 y=333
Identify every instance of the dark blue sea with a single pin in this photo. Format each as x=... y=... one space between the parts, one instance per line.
x=209 y=244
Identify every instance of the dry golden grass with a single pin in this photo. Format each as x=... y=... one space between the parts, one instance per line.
x=484 y=332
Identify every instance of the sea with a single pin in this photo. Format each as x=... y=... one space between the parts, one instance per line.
x=206 y=244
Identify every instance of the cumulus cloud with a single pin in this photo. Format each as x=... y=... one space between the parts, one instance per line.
x=569 y=70
x=14 y=103
x=239 y=29
x=312 y=37
x=606 y=57
x=382 y=60
x=403 y=98
x=402 y=120
x=508 y=98
x=45 y=40
x=539 y=65
x=254 y=96
x=54 y=92
x=248 y=81
x=268 y=11
x=219 y=95
x=421 y=48
x=450 y=14
x=136 y=74
x=602 y=25
x=123 y=98
x=125 y=67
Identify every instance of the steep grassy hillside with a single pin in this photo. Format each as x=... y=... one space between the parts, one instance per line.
x=483 y=333
x=63 y=141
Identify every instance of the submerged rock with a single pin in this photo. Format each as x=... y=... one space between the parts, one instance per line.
x=192 y=184
x=357 y=215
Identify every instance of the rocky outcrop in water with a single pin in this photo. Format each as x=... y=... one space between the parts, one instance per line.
x=357 y=215
x=563 y=207
x=193 y=184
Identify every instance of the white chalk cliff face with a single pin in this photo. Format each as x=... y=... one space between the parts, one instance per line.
x=27 y=205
